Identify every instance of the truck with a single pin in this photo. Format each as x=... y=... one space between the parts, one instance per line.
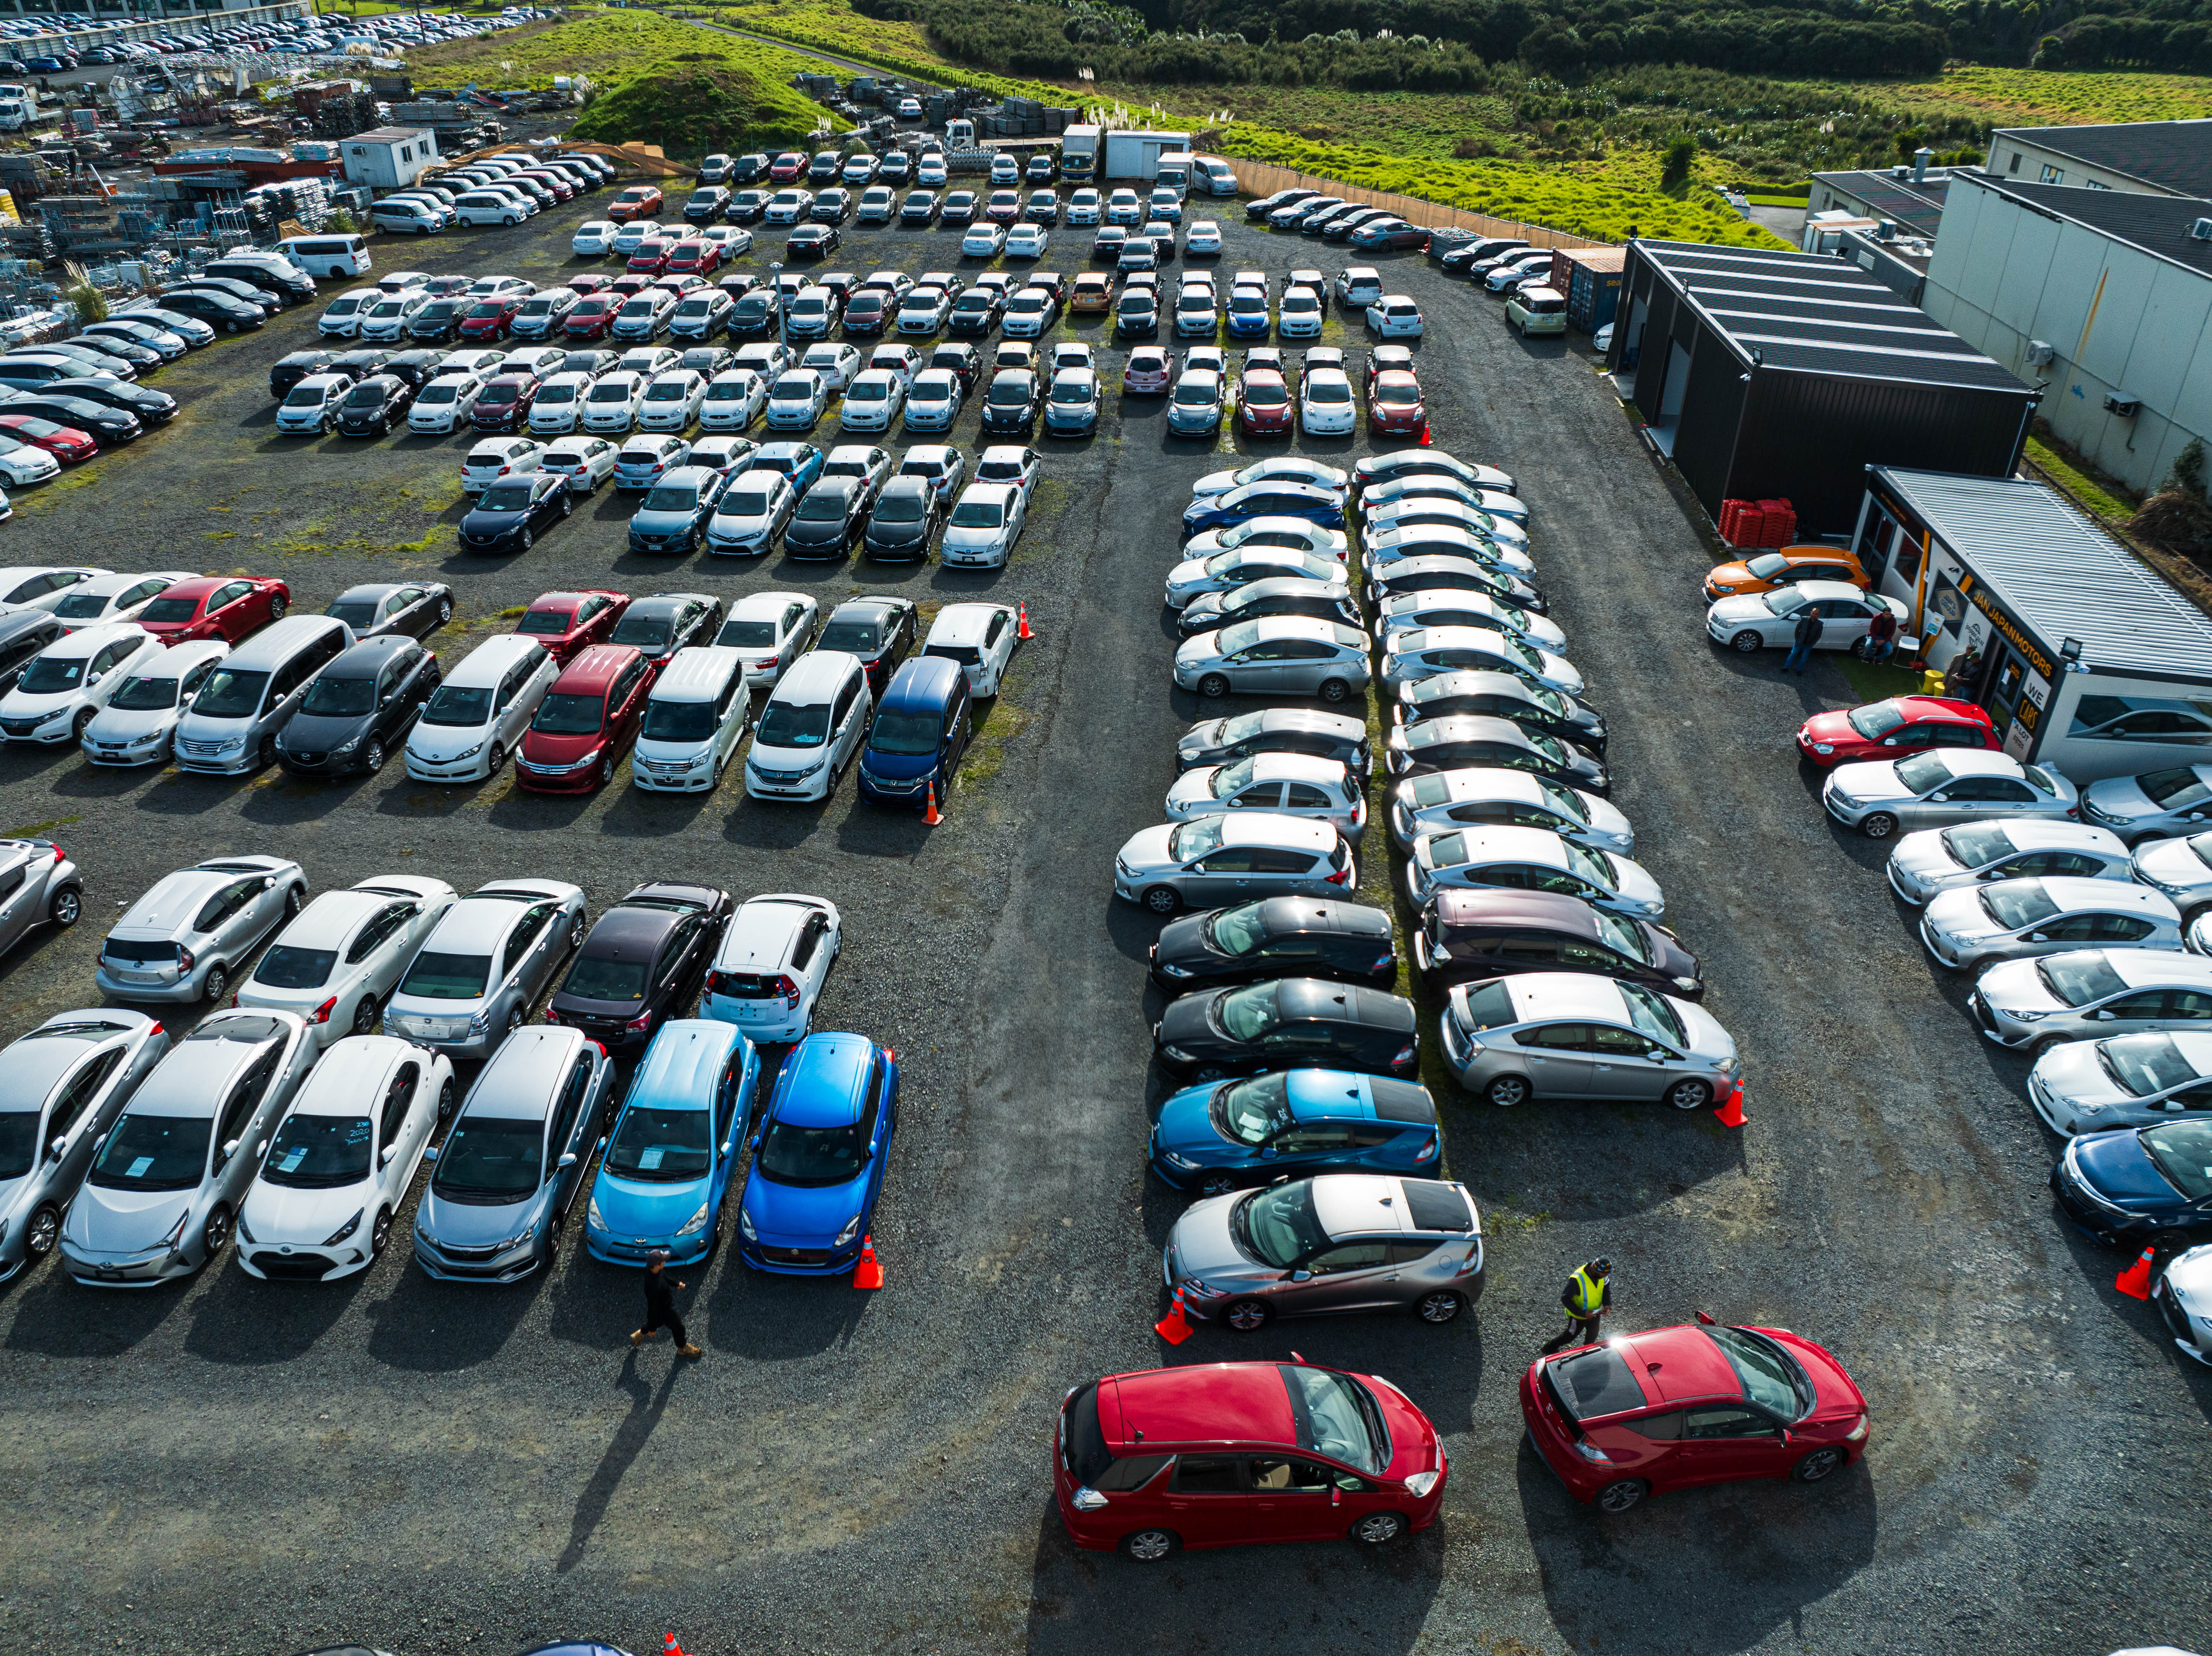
x=1078 y=153
x=1174 y=171
x=960 y=134
x=15 y=114
x=1136 y=155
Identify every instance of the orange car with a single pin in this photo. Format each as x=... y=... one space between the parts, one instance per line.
x=639 y=201
x=1094 y=291
x=1762 y=571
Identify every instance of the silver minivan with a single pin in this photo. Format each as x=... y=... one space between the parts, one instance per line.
x=475 y=718
x=233 y=723
x=812 y=725
x=695 y=721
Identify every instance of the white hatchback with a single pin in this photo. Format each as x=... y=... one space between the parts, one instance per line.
x=594 y=239
x=775 y=957
x=498 y=456
x=66 y=684
x=445 y=403
x=980 y=637
x=734 y=398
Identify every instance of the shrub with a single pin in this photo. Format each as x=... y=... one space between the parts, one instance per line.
x=91 y=304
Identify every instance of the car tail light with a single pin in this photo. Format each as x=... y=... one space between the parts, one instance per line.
x=1342 y=876
x=184 y=960
x=1405 y=1056
x=1427 y=1150
x=1385 y=962
x=770 y=662
x=157 y=1030
x=639 y=1024
x=787 y=989
x=323 y=1012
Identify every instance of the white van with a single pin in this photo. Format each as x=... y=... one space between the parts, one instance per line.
x=812 y=725
x=333 y=254
x=477 y=716
x=694 y=722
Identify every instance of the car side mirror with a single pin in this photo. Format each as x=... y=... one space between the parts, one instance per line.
x=2103 y=1017
x=567 y=1159
x=231 y=1149
x=2037 y=936
x=753 y=1144
x=54 y=1150
x=1267 y=1150
x=1301 y=1276
x=431 y=1154
x=260 y=1147
x=384 y=1156
x=95 y=678
x=1939 y=798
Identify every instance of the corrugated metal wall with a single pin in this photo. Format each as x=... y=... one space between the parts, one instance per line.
x=1706 y=440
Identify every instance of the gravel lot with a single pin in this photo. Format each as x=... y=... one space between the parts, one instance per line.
x=239 y=1466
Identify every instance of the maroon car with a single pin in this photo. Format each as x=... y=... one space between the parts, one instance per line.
x=491 y=317
x=593 y=315
x=587 y=723
x=504 y=402
x=565 y=622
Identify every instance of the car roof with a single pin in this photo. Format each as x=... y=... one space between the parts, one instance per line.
x=966 y=623
x=87 y=639
x=759 y=933
x=1491 y=906
x=1297 y=767
x=2073 y=892
x=1971 y=762
x=1679 y=1364
x=1357 y=1204
x=595 y=668
x=1539 y=996
x=2149 y=966
x=766 y=606
x=1482 y=843
x=623 y=933
x=354 y=1085
x=1264 y=828
x=194 y=1075
x=697 y=673
x=367 y=658
x=332 y=917
x=1218 y=1403
x=485 y=665
x=923 y=682
x=1288 y=914
x=824 y=1080
x=815 y=677
x=2028 y=832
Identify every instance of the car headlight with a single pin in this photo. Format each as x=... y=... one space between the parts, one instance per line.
x=244 y=1235
x=816 y=765
x=592 y=1216
x=1684 y=984
x=345 y=1229
x=1857 y=1434
x=745 y=1226
x=2020 y=1017
x=1175 y=971
x=1175 y=1161
x=1727 y=1066
x=1086 y=1500
x=1824 y=747
x=471 y=753
x=1421 y=1483
x=1177 y=1053
x=695 y=1224
x=851 y=1230
x=350 y=746
x=233 y=745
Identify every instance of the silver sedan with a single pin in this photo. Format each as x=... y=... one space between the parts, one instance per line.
x=2177 y=801
x=2086 y=992
x=1972 y=853
x=2183 y=1294
x=1277 y=655
x=1223 y=572
x=1532 y=859
x=2180 y=868
x=1412 y=611
x=1933 y=790
x=1269 y=531
x=1293 y=784
x=1974 y=926
x=1428 y=651
x=1217 y=860
x=1484 y=795
x=2123 y=1081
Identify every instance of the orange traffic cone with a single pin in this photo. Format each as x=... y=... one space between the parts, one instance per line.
x=1174 y=1327
x=1428 y=436
x=868 y=1273
x=2135 y=1281
x=931 y=816
x=1022 y=612
x=1731 y=1110
x=673 y=1648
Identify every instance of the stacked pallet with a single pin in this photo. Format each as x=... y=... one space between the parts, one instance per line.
x=1758 y=522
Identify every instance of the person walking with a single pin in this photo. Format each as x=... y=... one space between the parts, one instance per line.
x=1809 y=628
x=661 y=1309
x=1881 y=635
x=1587 y=1296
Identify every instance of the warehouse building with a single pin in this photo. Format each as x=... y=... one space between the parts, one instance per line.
x=2086 y=658
x=2154 y=158
x=1911 y=197
x=1765 y=375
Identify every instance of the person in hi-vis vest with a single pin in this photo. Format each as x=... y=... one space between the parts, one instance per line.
x=1587 y=1296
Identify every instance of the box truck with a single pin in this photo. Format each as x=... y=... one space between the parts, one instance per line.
x=1078 y=153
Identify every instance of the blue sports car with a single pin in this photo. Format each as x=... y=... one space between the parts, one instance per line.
x=1224 y=1136
x=668 y=1163
x=818 y=1157
x=1275 y=498
x=801 y=462
x=2139 y=1185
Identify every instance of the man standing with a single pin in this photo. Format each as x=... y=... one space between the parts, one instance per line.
x=1881 y=635
x=660 y=1310
x=1587 y=1296
x=1807 y=635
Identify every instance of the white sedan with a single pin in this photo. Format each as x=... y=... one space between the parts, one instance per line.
x=1394 y=317
x=1203 y=237
x=983 y=242
x=21 y=463
x=1224 y=571
x=335 y=962
x=1768 y=621
x=1027 y=241
x=1270 y=531
x=775 y=957
x=634 y=235
x=1083 y=207
x=113 y=597
x=1290 y=468
x=1324 y=789
x=594 y=238
x=67 y=683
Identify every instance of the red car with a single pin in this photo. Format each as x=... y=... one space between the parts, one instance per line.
x=563 y=188
x=652 y=256
x=565 y=622
x=445 y=287
x=228 y=607
x=640 y=201
x=695 y=258
x=1004 y=207
x=1647 y=1414
x=587 y=723
x=490 y=319
x=1222 y=1454
x=1893 y=729
x=1395 y=407
x=591 y=317
x=1263 y=403
x=65 y=443
x=786 y=168
x=590 y=283
x=630 y=284
x=504 y=402
x=1147 y=372
x=1387 y=359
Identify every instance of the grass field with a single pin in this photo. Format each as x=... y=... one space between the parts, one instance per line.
x=2030 y=97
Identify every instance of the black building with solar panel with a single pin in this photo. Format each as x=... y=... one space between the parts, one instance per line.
x=1768 y=374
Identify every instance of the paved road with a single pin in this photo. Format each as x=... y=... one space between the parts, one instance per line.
x=242 y=1466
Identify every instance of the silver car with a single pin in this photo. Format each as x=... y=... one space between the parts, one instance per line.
x=1293 y=784
x=186 y=938
x=2180 y=868
x=1340 y=1241
x=502 y=1183
x=1878 y=796
x=2082 y=993
x=1571 y=1034
x=2177 y=801
x=1427 y=651
x=140 y=717
x=2123 y=1081
x=1411 y=611
x=38 y=885
x=2183 y=1294
x=334 y=965
x=1224 y=571
x=1217 y=860
x=1486 y=795
x=1379 y=549
x=1532 y=859
x=1277 y=655
x=1968 y=928
x=162 y=1199
x=60 y=1087
x=479 y=974
x=477 y=716
x=753 y=511
x=1973 y=853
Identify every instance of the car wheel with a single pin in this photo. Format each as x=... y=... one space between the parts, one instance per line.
x=1213 y=684
x=607 y=772
x=1379 y=1529
x=493 y=760
x=513 y=1020
x=364 y=1016
x=1821 y=1463
x=1247 y=1316
x=1442 y=1307
x=1334 y=690
x=1746 y=643
x=1689 y=1093
x=1150 y=1546
x=294 y=901
x=67 y=907
x=42 y=1232
x=373 y=759
x=230 y=326
x=1164 y=900
x=1508 y=1092
x=576 y=935
x=1622 y=1493
x=1880 y=826
x=1218 y=1184
x=214 y=984
x=84 y=717
x=528 y=539
x=567 y=503
x=277 y=606
x=509 y=219
x=446 y=1101
x=379 y=1233
x=215 y=1236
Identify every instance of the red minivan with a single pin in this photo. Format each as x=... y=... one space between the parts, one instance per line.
x=567 y=622
x=230 y=608
x=587 y=724
x=1226 y=1453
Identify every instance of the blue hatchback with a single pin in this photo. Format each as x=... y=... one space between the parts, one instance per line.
x=668 y=1161
x=818 y=1158
x=1226 y=1135
x=801 y=462
x=920 y=729
x=2137 y=1185
x=1277 y=497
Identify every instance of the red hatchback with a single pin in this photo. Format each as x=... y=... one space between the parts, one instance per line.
x=640 y=201
x=1226 y=1453
x=786 y=168
x=1893 y=730
x=566 y=622
x=591 y=317
x=590 y=282
x=1395 y=405
x=652 y=256
x=504 y=402
x=1647 y=1414
x=587 y=723
x=697 y=258
x=65 y=443
x=228 y=607
x=1263 y=404
x=490 y=319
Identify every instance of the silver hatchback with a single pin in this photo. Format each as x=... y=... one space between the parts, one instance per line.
x=2009 y=848
x=1975 y=926
x=480 y=973
x=1340 y=1241
x=1878 y=796
x=188 y=936
x=2087 y=992
x=1569 y=1034
x=1216 y=860
x=2123 y=1081
x=1277 y=655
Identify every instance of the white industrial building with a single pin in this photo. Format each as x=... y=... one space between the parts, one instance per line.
x=389 y=157
x=2154 y=158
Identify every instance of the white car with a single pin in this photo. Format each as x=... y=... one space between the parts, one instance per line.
x=1513 y=857
x=812 y=726
x=1027 y=241
x=1269 y=531
x=672 y=402
x=1752 y=621
x=386 y=322
x=836 y=363
x=945 y=468
x=341 y=1161
x=588 y=461
x=1124 y=207
x=753 y=511
x=43 y=586
x=1327 y=407
x=612 y=403
x=727 y=455
x=980 y=637
x=480 y=361
x=341 y=317
x=335 y=963
x=1285 y=468
x=1997 y=848
x=594 y=239
x=770 y=630
x=634 y=235
x=1225 y=571
x=310 y=408
x=1293 y=784
x=2180 y=868
x=695 y=720
x=1447 y=606
x=1479 y=796
x=930 y=172
x=796 y=401
x=1204 y=236
x=477 y=715
x=21 y=463
x=444 y=405
x=496 y=457
x=1394 y=317
x=775 y=957
x=985 y=523
x=897 y=358
x=113 y=597
x=1013 y=464
x=984 y=240
x=1083 y=207
x=140 y=717
x=559 y=403
x=734 y=400
x=734 y=239
x=66 y=684
x=872 y=401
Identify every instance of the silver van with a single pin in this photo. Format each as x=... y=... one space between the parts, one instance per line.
x=233 y=724
x=695 y=721
x=813 y=723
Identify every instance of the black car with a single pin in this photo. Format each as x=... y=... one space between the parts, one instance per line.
x=1279 y=595
x=813 y=241
x=907 y=515
x=2139 y=1185
x=359 y=709
x=1441 y=573
x=125 y=360
x=1260 y=209
x=373 y=406
x=897 y=168
x=880 y=631
x=1011 y=404
x=976 y=310
x=360 y=364
x=245 y=293
x=1506 y=695
x=1277 y=730
x=508 y=514
x=642 y=964
x=958 y=207
x=828 y=518
x=219 y=310
x=700 y=206
x=1472 y=933
x=1453 y=744
x=959 y=358
x=1274 y=937
x=1339 y=228
x=1287 y=1024
x=739 y=283
x=418 y=369
x=1106 y=247
x=747 y=168
x=440 y=320
x=919 y=207
x=831 y=207
x=396 y=609
x=747 y=206
x=754 y=316
x=658 y=626
x=106 y=426
x=23 y=634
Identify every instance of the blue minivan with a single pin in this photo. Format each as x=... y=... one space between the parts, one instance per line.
x=679 y=1138
x=920 y=729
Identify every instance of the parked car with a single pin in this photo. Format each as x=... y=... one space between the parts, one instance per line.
x=2178 y=801
x=1971 y=927
x=1972 y=853
x=1904 y=725
x=1577 y=1035
x=359 y=709
x=641 y=964
x=1259 y=938
x=2139 y=1186
x=1942 y=786
x=585 y=726
x=476 y=717
x=483 y=968
x=1212 y=859
x=1769 y=619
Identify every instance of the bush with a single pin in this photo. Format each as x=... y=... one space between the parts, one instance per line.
x=91 y=304
x=1674 y=165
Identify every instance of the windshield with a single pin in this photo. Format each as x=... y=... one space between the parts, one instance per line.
x=1874 y=721
x=2017 y=903
x=978 y=514
x=1771 y=1377
x=667 y=390
x=1923 y=772
x=2144 y=1063
x=785 y=725
x=340 y=698
x=794 y=388
x=307 y=397
x=505 y=497
x=1336 y=1416
x=447 y=977
x=660 y=1146
x=315 y=1152
x=141 y=695
x=594 y=978
x=152 y=1152
x=2079 y=978
x=1195 y=838
x=1231 y=778
x=568 y=714
x=1249 y=1013
x=858 y=637
x=230 y=694
x=792 y=1155
x=1008 y=390
x=488 y=1159
x=678 y=721
x=1252 y=1112
x=1591 y=866
x=2171 y=790
x=1194 y=393
x=558 y=393
x=1279 y=1227
x=1622 y=937
x=451 y=704
x=2182 y=1151
x=1071 y=391
x=1236 y=931
x=611 y=391
x=824 y=505
x=900 y=733
x=1650 y=1013
x=49 y=674
x=287 y=966
x=546 y=622
x=1977 y=846
x=1328 y=390
x=1399 y=396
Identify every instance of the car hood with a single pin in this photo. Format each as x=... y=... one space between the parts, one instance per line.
x=1193 y=790
x=2120 y=797
x=1202 y=647
x=2018 y=986
x=309 y=733
x=1188 y=574
x=1923 y=853
x=1199 y=1240
x=968 y=536
x=1959 y=911
x=440 y=741
x=2171 y=860
x=661 y=523
x=17 y=705
x=2071 y=1072
x=1185 y=1021
x=277 y=1213
x=1148 y=848
x=1186 y=1126
x=112 y=725
x=634 y=1207
x=795 y=1215
x=1634 y=883
x=104 y=1221
x=1748 y=610
x=898 y=534
x=2190 y=1276
x=470 y=1224
x=1834 y=725
x=2116 y=1167
x=1875 y=779
x=480 y=521
x=1706 y=1037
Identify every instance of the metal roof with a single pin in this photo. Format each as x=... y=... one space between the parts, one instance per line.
x=1917 y=204
x=2173 y=156
x=1818 y=314
x=2157 y=225
x=2058 y=573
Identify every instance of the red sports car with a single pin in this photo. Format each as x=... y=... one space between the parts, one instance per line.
x=65 y=443
x=490 y=319
x=1395 y=407
x=1263 y=403
x=1647 y=1414
x=228 y=607
x=1895 y=729
x=591 y=317
x=565 y=622
x=640 y=201
x=694 y=257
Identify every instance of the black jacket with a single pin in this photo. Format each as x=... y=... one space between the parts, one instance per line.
x=1808 y=630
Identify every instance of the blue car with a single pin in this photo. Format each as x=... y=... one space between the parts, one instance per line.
x=1249 y=317
x=818 y=1157
x=1274 y=497
x=1226 y=1135
x=2137 y=1185
x=801 y=462
x=921 y=725
x=668 y=1161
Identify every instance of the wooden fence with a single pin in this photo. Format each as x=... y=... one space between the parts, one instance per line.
x=1264 y=179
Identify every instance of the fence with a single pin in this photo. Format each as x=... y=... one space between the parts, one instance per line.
x=1264 y=179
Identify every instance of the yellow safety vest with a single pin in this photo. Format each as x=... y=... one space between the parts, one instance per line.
x=1589 y=1294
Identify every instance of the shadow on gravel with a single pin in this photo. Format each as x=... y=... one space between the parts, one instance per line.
x=770 y=1318
x=1750 y=1557
x=646 y=1403
x=434 y=1328
x=253 y=1324
x=55 y=1318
